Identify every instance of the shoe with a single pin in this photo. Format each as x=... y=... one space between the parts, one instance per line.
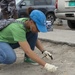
x=28 y=60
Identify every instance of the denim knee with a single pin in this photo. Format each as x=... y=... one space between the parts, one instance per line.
x=32 y=38
x=11 y=60
x=7 y=60
x=7 y=54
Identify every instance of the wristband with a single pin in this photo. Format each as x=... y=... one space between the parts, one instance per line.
x=43 y=51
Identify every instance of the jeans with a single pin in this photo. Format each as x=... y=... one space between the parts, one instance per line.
x=7 y=54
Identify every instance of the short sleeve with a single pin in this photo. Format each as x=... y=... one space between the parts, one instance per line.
x=18 y=33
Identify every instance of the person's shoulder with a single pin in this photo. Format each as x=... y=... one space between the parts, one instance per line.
x=15 y=26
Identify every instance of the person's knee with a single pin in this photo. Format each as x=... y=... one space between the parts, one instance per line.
x=12 y=59
x=8 y=60
x=31 y=35
x=35 y=35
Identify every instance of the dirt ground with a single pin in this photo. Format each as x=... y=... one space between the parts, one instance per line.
x=64 y=58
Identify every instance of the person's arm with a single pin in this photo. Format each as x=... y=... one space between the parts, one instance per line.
x=41 y=48
x=39 y=45
x=26 y=48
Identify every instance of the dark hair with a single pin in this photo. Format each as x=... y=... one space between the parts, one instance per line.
x=29 y=10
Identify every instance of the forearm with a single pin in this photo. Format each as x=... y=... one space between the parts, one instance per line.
x=41 y=48
x=35 y=57
x=31 y=54
x=39 y=45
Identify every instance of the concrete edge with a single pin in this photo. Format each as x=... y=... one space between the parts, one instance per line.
x=58 y=42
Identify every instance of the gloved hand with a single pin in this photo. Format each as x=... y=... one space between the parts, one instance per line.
x=47 y=54
x=50 y=68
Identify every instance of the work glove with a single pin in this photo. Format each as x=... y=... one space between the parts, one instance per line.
x=47 y=54
x=50 y=68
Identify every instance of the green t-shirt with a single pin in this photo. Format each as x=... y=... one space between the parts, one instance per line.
x=13 y=33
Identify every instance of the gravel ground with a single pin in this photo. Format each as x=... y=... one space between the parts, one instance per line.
x=64 y=58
